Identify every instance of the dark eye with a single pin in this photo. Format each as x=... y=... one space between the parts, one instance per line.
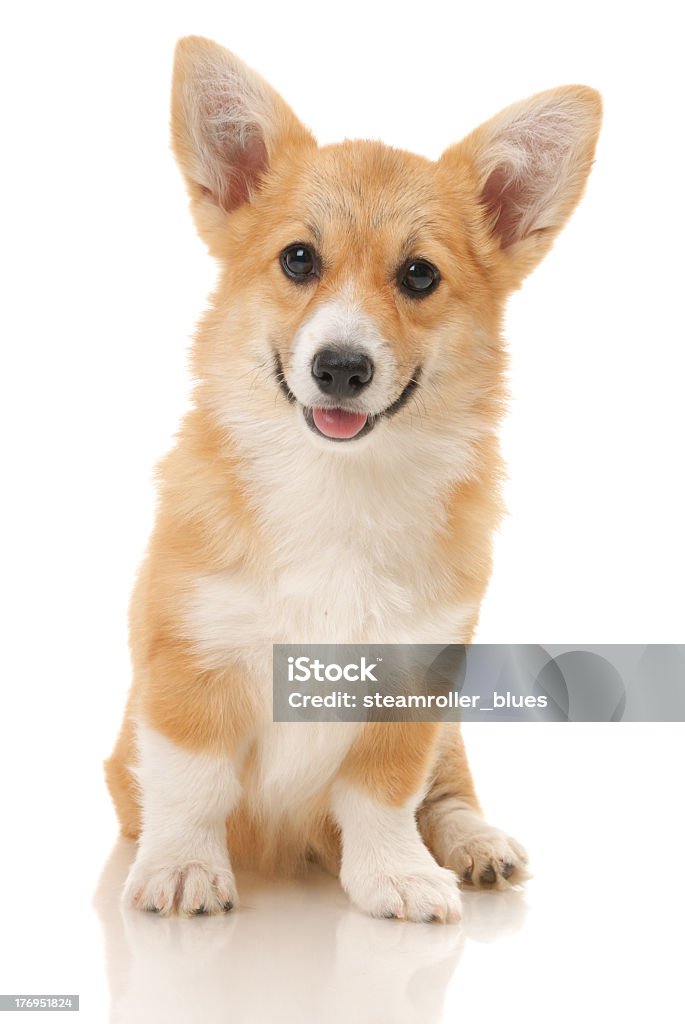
x=418 y=278
x=298 y=262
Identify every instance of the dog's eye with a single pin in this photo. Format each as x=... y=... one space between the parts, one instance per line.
x=298 y=262
x=418 y=278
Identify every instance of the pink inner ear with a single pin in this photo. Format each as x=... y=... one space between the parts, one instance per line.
x=246 y=166
x=506 y=200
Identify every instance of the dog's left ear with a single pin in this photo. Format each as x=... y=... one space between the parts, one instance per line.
x=227 y=126
x=530 y=163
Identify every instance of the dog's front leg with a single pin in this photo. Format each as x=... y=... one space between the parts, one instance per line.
x=386 y=869
x=182 y=864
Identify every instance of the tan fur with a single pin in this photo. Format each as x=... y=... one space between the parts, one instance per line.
x=355 y=196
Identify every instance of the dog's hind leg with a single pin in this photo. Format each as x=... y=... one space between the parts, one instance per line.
x=121 y=783
x=454 y=829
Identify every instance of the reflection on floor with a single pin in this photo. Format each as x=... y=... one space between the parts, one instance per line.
x=296 y=951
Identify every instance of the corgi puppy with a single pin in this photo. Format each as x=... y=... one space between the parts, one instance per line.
x=336 y=481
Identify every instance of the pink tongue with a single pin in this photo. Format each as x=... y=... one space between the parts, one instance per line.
x=339 y=422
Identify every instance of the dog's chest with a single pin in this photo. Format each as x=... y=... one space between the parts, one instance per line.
x=334 y=595
x=343 y=566
x=363 y=568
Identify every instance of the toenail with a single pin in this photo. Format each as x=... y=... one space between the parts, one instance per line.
x=488 y=875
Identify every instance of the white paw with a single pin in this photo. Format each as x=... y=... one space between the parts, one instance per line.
x=429 y=894
x=481 y=855
x=190 y=888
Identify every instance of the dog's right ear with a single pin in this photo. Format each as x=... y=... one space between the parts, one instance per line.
x=227 y=123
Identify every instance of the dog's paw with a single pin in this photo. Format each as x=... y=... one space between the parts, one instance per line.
x=428 y=895
x=484 y=856
x=192 y=888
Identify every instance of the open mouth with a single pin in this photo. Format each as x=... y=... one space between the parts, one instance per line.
x=339 y=424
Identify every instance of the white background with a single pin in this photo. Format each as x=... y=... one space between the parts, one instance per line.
x=103 y=279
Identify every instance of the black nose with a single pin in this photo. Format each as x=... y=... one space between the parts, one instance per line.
x=341 y=371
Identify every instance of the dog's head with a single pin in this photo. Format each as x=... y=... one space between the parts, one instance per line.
x=362 y=286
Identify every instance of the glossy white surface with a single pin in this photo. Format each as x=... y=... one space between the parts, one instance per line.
x=596 y=934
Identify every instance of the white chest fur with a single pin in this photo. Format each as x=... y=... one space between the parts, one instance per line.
x=350 y=554
x=351 y=557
